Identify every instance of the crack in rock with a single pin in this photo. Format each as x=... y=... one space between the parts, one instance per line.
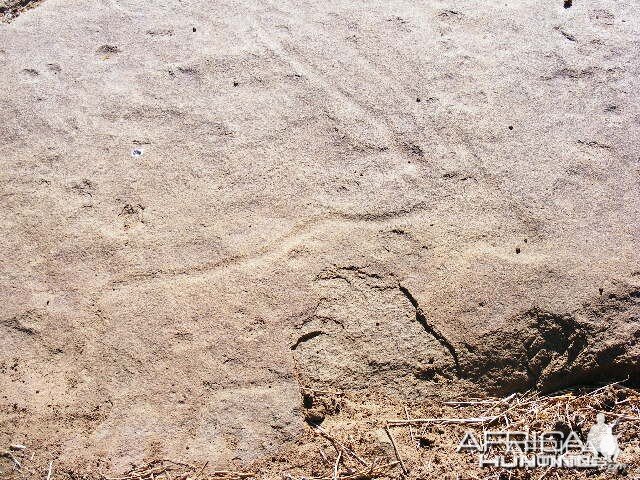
x=306 y=337
x=432 y=330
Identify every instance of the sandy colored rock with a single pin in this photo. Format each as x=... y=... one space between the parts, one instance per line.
x=401 y=200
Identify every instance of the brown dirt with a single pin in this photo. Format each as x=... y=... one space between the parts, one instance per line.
x=341 y=423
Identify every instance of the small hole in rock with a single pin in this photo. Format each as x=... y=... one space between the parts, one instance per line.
x=314 y=417
x=418 y=100
x=235 y=84
x=601 y=290
x=194 y=29
x=307 y=400
x=425 y=442
x=517 y=249
x=568 y=3
x=510 y=127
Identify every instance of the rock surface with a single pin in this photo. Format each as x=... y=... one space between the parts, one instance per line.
x=209 y=205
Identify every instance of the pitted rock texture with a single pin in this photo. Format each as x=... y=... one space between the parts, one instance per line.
x=207 y=206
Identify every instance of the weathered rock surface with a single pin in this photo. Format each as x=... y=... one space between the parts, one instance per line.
x=406 y=199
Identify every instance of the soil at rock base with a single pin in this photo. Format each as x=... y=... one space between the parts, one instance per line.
x=211 y=210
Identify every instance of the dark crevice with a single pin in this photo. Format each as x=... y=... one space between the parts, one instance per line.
x=431 y=330
x=306 y=337
x=407 y=294
x=568 y=36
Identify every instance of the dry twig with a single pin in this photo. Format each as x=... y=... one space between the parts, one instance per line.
x=443 y=421
x=395 y=449
x=337 y=445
